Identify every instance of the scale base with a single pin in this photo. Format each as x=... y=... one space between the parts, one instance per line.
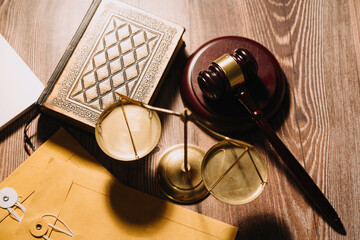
x=182 y=186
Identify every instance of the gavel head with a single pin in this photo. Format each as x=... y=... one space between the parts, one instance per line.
x=227 y=74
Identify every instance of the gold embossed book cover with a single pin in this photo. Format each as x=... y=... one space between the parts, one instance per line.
x=117 y=48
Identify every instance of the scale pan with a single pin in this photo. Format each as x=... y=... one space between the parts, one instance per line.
x=234 y=174
x=127 y=132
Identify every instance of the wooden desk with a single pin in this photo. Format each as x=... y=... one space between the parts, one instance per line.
x=318 y=48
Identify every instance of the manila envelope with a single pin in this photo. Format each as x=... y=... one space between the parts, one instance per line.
x=95 y=207
x=23 y=180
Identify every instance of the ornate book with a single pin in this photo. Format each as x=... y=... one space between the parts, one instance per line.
x=117 y=48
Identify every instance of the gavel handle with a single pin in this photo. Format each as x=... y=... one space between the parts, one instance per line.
x=304 y=181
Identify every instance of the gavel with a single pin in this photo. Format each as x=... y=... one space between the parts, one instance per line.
x=227 y=75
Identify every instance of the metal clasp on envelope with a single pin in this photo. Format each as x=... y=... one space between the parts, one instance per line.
x=40 y=227
x=8 y=199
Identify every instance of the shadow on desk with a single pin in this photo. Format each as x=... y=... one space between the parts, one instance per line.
x=263 y=227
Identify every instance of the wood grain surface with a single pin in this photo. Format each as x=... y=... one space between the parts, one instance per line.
x=317 y=45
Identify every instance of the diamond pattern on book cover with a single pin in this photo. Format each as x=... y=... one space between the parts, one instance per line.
x=116 y=64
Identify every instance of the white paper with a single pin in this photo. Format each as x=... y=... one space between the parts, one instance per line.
x=19 y=87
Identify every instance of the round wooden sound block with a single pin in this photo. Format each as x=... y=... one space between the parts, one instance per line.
x=227 y=115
